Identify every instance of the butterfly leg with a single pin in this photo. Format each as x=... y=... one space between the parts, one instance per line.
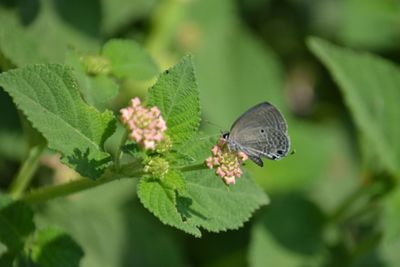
x=257 y=160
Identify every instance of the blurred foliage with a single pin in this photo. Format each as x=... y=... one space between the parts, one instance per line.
x=335 y=202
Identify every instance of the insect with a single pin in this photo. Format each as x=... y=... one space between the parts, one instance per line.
x=260 y=132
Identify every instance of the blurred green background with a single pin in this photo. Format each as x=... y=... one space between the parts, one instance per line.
x=330 y=204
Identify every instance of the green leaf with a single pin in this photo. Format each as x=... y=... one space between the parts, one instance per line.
x=235 y=69
x=369 y=24
x=177 y=96
x=193 y=151
x=16 y=223
x=174 y=181
x=206 y=202
x=114 y=229
x=370 y=87
x=118 y=14
x=97 y=91
x=129 y=60
x=6 y=259
x=100 y=91
x=49 y=97
x=56 y=23
x=12 y=142
x=390 y=224
x=161 y=201
x=15 y=47
x=53 y=247
x=216 y=207
x=265 y=251
x=277 y=240
x=198 y=148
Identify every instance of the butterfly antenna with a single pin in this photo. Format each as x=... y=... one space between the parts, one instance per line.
x=213 y=124
x=207 y=136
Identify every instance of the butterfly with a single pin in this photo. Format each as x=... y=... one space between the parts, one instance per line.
x=260 y=132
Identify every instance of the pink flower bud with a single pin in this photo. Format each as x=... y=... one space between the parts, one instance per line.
x=158 y=137
x=230 y=180
x=226 y=162
x=135 y=102
x=209 y=162
x=243 y=156
x=220 y=172
x=136 y=136
x=162 y=125
x=149 y=144
x=126 y=114
x=215 y=150
x=155 y=111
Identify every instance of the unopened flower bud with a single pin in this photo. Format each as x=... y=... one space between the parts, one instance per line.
x=95 y=65
x=164 y=145
x=157 y=167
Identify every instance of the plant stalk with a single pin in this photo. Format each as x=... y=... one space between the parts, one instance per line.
x=196 y=167
x=26 y=171
x=80 y=184
x=118 y=153
x=358 y=193
x=54 y=191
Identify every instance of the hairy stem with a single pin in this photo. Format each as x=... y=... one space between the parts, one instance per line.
x=54 y=191
x=196 y=167
x=26 y=171
x=118 y=153
x=81 y=184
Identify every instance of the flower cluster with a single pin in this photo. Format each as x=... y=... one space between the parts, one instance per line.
x=225 y=162
x=146 y=126
x=157 y=167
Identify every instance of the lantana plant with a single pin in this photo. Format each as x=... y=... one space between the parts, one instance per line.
x=160 y=144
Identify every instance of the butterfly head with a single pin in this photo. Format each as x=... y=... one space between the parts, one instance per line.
x=225 y=135
x=232 y=145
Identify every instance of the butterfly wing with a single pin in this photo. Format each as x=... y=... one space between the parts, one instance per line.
x=263 y=142
x=261 y=132
x=261 y=115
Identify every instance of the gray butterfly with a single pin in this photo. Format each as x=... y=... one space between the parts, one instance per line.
x=260 y=132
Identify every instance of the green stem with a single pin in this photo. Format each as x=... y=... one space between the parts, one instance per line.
x=365 y=246
x=26 y=171
x=196 y=167
x=348 y=202
x=80 y=184
x=118 y=153
x=55 y=191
